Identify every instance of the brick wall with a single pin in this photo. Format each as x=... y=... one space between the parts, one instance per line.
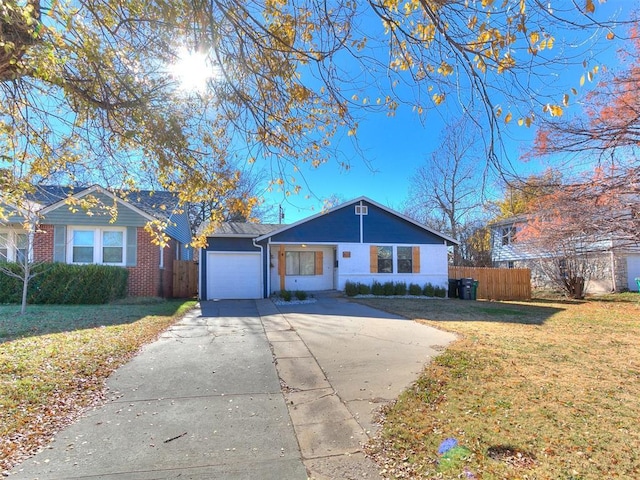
x=43 y=244
x=146 y=279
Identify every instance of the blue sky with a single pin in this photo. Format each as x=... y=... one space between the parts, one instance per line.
x=394 y=147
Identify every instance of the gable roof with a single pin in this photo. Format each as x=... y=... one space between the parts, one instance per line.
x=148 y=203
x=50 y=203
x=284 y=228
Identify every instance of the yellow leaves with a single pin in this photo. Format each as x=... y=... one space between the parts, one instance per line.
x=508 y=118
x=527 y=121
x=582 y=81
x=391 y=5
x=523 y=7
x=299 y=93
x=589 y=6
x=426 y=32
x=610 y=36
x=438 y=98
x=534 y=37
x=553 y=110
x=445 y=69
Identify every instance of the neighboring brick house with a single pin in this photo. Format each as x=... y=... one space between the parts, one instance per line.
x=68 y=233
x=615 y=266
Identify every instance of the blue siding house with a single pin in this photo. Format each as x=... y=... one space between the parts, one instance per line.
x=360 y=241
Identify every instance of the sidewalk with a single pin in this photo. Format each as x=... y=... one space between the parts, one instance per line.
x=202 y=402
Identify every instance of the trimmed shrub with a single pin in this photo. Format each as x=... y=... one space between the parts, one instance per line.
x=300 y=295
x=377 y=288
x=440 y=292
x=415 y=289
x=429 y=290
x=64 y=284
x=285 y=295
x=364 y=289
x=389 y=288
x=351 y=288
x=400 y=288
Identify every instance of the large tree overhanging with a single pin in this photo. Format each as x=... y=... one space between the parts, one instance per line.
x=84 y=83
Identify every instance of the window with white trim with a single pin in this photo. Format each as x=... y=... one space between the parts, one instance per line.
x=385 y=259
x=4 y=247
x=105 y=245
x=405 y=259
x=13 y=246
x=508 y=235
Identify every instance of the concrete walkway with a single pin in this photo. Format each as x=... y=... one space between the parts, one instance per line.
x=247 y=390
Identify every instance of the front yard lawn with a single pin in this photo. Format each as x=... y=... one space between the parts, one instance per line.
x=535 y=390
x=54 y=361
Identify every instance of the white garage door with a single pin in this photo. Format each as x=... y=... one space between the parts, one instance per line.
x=633 y=271
x=232 y=275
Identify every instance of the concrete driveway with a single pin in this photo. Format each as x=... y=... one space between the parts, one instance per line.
x=339 y=362
x=245 y=390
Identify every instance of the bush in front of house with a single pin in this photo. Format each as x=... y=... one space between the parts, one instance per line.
x=364 y=289
x=439 y=292
x=286 y=295
x=400 y=288
x=351 y=288
x=389 y=288
x=377 y=288
x=300 y=295
x=429 y=290
x=64 y=284
x=415 y=289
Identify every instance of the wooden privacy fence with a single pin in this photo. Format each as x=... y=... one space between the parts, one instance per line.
x=497 y=283
x=185 y=279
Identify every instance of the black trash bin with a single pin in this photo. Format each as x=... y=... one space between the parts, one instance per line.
x=453 y=288
x=466 y=288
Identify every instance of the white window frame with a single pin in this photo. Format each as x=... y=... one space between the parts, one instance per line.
x=12 y=244
x=362 y=210
x=97 y=244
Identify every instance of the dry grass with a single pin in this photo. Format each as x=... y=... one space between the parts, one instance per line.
x=54 y=361
x=537 y=390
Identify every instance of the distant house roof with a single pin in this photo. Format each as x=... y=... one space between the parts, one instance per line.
x=244 y=229
x=158 y=204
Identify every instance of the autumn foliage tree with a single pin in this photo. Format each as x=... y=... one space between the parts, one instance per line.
x=85 y=86
x=569 y=230
x=610 y=119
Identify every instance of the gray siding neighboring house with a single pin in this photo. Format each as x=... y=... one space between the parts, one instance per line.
x=615 y=266
x=69 y=233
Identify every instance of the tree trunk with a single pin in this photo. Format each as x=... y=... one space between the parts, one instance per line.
x=25 y=285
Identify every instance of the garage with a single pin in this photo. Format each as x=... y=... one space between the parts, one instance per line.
x=233 y=275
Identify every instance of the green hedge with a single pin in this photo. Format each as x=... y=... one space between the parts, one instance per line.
x=60 y=283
